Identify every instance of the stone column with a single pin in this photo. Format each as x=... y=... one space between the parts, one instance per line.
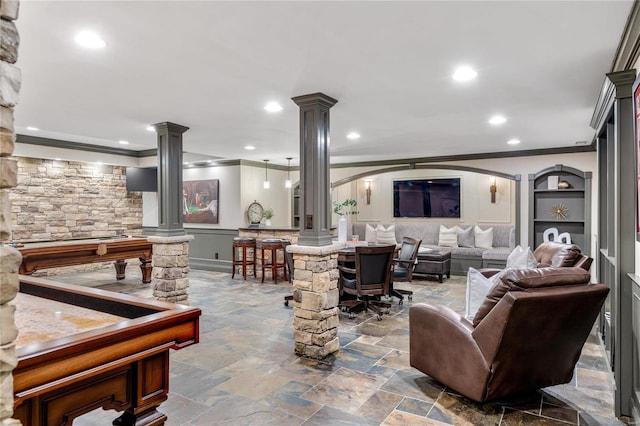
x=170 y=280
x=315 y=300
x=10 y=78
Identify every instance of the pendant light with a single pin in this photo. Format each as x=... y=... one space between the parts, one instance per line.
x=266 y=184
x=287 y=183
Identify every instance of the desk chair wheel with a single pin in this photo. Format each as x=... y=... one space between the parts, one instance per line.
x=410 y=297
x=379 y=316
x=400 y=302
x=286 y=303
x=352 y=315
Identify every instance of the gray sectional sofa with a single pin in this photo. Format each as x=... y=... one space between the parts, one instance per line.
x=504 y=241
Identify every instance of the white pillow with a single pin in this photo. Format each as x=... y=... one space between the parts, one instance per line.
x=521 y=258
x=477 y=288
x=448 y=237
x=484 y=239
x=386 y=236
x=370 y=234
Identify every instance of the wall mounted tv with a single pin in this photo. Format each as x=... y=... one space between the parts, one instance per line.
x=426 y=198
x=142 y=179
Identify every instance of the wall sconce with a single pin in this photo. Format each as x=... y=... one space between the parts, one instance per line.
x=493 y=188
x=287 y=183
x=266 y=184
x=367 y=190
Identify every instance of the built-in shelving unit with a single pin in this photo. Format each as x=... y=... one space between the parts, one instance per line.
x=567 y=209
x=295 y=204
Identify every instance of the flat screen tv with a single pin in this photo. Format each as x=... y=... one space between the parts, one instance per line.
x=142 y=179
x=426 y=198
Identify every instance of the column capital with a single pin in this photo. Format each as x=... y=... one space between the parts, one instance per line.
x=170 y=127
x=314 y=99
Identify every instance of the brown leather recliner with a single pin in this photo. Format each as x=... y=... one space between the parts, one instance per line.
x=561 y=255
x=527 y=334
x=555 y=254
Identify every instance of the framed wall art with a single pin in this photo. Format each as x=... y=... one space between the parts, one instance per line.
x=200 y=203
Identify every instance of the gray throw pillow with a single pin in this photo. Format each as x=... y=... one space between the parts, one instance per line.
x=466 y=237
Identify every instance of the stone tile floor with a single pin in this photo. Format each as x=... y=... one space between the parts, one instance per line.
x=244 y=371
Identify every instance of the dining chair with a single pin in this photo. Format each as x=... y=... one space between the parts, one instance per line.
x=403 y=266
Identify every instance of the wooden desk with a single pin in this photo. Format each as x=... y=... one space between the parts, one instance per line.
x=122 y=365
x=53 y=254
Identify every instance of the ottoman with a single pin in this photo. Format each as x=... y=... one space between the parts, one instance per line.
x=434 y=263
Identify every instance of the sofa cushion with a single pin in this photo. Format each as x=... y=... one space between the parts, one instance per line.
x=521 y=258
x=448 y=237
x=467 y=251
x=483 y=237
x=465 y=237
x=497 y=253
x=370 y=234
x=386 y=235
x=523 y=279
x=556 y=254
x=477 y=288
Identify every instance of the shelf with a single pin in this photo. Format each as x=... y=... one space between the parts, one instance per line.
x=557 y=190
x=559 y=222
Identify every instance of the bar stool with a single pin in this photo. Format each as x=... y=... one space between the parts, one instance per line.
x=243 y=257
x=275 y=246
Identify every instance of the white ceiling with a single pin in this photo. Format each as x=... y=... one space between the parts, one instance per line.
x=212 y=66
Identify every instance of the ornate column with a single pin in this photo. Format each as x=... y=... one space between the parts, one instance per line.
x=10 y=78
x=315 y=188
x=170 y=245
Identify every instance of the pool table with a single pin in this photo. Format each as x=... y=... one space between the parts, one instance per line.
x=53 y=254
x=117 y=356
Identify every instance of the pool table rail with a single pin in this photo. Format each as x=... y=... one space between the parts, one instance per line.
x=122 y=366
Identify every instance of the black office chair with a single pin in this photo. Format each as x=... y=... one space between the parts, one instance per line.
x=403 y=266
x=368 y=281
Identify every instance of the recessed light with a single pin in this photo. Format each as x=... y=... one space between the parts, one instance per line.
x=33 y=129
x=57 y=159
x=497 y=120
x=185 y=164
x=464 y=73
x=123 y=142
x=353 y=136
x=273 y=107
x=151 y=129
x=90 y=39
x=99 y=163
x=513 y=141
x=249 y=147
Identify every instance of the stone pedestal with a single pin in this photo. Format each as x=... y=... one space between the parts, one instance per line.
x=315 y=296
x=170 y=277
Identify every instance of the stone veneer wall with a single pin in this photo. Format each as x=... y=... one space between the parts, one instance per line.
x=66 y=199
x=10 y=80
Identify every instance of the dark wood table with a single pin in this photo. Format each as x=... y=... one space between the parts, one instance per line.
x=53 y=254
x=123 y=364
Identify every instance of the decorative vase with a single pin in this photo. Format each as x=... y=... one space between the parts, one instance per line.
x=342 y=230
x=267 y=223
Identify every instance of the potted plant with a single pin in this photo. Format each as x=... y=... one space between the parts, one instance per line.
x=345 y=208
x=267 y=214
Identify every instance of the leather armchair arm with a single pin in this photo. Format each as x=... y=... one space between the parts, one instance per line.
x=442 y=346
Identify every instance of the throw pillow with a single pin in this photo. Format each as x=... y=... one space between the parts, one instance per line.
x=386 y=235
x=521 y=258
x=484 y=239
x=448 y=237
x=477 y=288
x=370 y=234
x=465 y=237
